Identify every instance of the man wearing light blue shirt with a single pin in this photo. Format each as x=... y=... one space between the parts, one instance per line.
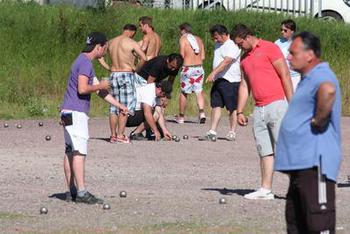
x=308 y=147
x=288 y=28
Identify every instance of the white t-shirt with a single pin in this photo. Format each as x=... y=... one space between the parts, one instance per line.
x=232 y=72
x=146 y=94
x=284 y=45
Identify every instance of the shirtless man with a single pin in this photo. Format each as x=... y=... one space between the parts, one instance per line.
x=122 y=51
x=192 y=74
x=151 y=42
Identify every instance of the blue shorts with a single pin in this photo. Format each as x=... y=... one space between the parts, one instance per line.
x=224 y=93
x=123 y=89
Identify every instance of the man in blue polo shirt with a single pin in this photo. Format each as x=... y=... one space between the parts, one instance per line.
x=308 y=147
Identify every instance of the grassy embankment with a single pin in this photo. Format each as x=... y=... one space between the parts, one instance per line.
x=39 y=43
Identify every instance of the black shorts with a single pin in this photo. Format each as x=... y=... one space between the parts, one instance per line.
x=304 y=212
x=136 y=119
x=224 y=93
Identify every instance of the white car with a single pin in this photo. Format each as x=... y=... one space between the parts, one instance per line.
x=329 y=9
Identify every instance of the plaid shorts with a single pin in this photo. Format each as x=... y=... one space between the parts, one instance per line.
x=123 y=89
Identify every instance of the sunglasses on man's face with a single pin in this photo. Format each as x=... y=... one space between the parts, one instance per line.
x=284 y=30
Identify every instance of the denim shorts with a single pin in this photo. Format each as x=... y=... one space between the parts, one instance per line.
x=266 y=125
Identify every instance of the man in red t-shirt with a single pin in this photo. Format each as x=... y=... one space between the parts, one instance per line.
x=266 y=74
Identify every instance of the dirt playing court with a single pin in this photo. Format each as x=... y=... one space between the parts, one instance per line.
x=171 y=187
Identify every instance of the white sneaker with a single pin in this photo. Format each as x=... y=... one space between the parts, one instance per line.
x=179 y=119
x=231 y=136
x=260 y=194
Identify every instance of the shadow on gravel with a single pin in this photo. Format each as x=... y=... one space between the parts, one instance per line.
x=218 y=138
x=186 y=121
x=60 y=196
x=225 y=191
x=343 y=185
x=99 y=138
x=240 y=192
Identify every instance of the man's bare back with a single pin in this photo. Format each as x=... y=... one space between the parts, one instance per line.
x=122 y=52
x=151 y=44
x=188 y=53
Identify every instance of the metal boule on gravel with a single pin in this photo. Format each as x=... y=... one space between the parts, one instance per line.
x=213 y=138
x=48 y=137
x=222 y=200
x=106 y=206
x=6 y=125
x=43 y=210
x=122 y=194
x=41 y=124
x=173 y=137
x=19 y=126
x=177 y=139
x=185 y=137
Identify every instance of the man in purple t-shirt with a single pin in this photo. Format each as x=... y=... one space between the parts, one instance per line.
x=74 y=115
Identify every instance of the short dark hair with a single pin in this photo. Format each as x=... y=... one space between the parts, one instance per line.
x=310 y=41
x=177 y=57
x=130 y=27
x=146 y=20
x=290 y=24
x=219 y=29
x=241 y=31
x=186 y=26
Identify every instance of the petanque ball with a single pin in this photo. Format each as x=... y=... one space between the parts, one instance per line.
x=122 y=194
x=6 y=125
x=41 y=124
x=213 y=138
x=222 y=201
x=48 y=137
x=173 y=137
x=185 y=137
x=19 y=126
x=177 y=139
x=43 y=210
x=106 y=206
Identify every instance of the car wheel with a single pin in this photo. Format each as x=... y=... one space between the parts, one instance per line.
x=331 y=16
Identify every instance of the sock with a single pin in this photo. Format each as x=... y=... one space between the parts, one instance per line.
x=73 y=190
x=265 y=190
x=81 y=193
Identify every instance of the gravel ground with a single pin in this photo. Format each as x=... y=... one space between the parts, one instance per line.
x=171 y=187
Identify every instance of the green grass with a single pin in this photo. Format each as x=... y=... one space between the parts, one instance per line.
x=10 y=216
x=169 y=228
x=40 y=43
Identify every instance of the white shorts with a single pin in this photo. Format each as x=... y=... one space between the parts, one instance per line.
x=76 y=135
